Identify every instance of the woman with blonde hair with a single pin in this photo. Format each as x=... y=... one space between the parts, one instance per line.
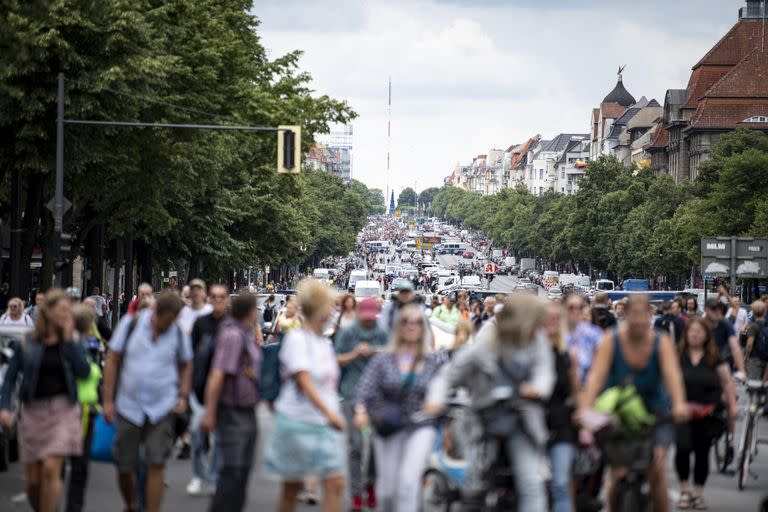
x=16 y=315
x=49 y=363
x=390 y=393
x=306 y=438
x=514 y=344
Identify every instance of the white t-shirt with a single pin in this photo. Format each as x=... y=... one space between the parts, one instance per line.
x=306 y=351
x=188 y=315
x=24 y=321
x=741 y=319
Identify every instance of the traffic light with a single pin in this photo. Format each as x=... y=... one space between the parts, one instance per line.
x=65 y=247
x=289 y=149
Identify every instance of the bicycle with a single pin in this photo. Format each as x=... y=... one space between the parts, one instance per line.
x=750 y=437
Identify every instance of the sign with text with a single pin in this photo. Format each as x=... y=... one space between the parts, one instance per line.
x=742 y=257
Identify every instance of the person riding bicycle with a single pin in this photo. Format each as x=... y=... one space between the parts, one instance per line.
x=648 y=359
x=515 y=341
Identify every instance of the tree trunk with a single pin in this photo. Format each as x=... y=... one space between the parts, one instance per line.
x=30 y=225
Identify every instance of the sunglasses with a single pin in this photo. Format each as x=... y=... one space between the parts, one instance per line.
x=14 y=306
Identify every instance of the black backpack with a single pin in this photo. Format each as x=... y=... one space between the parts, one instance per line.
x=269 y=313
x=761 y=341
x=202 y=365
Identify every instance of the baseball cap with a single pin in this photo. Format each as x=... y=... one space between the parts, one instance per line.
x=402 y=285
x=197 y=282
x=368 y=309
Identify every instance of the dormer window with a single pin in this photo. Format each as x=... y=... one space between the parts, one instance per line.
x=756 y=119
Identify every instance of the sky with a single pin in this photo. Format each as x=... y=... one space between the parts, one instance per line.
x=470 y=75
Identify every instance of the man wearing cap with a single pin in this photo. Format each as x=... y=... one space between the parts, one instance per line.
x=354 y=347
x=448 y=312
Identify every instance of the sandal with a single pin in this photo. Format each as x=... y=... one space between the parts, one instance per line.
x=698 y=503
x=684 y=502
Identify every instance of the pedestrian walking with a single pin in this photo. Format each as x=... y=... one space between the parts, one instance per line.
x=49 y=361
x=390 y=393
x=756 y=350
x=560 y=408
x=230 y=402
x=205 y=468
x=306 y=438
x=15 y=314
x=152 y=358
x=355 y=345
x=707 y=377
x=88 y=397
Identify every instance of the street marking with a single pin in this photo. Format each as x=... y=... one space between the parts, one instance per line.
x=19 y=498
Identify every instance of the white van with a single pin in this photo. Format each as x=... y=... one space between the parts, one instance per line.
x=365 y=289
x=605 y=285
x=355 y=276
x=323 y=274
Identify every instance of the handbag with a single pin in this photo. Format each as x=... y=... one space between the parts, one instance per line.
x=389 y=416
x=103 y=438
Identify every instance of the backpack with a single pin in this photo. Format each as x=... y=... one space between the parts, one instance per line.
x=201 y=365
x=202 y=360
x=270 y=380
x=761 y=342
x=269 y=313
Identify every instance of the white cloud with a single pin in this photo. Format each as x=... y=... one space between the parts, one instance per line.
x=468 y=76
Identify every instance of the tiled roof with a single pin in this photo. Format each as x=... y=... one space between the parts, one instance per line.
x=717 y=113
x=611 y=110
x=660 y=137
x=560 y=142
x=743 y=37
x=645 y=118
x=653 y=103
x=676 y=97
x=701 y=80
x=740 y=40
x=748 y=79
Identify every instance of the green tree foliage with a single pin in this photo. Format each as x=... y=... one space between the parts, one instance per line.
x=211 y=199
x=406 y=198
x=626 y=222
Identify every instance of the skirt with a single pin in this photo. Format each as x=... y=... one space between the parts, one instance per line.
x=298 y=448
x=51 y=426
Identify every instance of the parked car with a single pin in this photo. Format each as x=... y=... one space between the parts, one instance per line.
x=468 y=255
x=554 y=293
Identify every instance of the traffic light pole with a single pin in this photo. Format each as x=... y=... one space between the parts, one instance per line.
x=58 y=197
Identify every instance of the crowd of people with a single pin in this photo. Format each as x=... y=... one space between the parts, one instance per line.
x=363 y=386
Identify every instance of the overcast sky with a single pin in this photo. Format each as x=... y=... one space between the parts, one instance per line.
x=469 y=75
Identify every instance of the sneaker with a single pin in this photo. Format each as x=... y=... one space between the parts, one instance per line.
x=195 y=487
x=357 y=504
x=370 y=491
x=209 y=489
x=307 y=496
x=185 y=452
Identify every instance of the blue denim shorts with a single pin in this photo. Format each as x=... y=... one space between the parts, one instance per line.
x=298 y=448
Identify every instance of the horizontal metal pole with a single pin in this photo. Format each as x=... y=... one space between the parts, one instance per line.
x=136 y=124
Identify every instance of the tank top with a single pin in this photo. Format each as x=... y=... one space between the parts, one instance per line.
x=648 y=381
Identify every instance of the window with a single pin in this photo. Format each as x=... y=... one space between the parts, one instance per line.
x=756 y=119
x=541 y=174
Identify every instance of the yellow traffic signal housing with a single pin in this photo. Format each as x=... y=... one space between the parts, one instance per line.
x=289 y=149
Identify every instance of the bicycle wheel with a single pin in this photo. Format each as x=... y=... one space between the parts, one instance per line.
x=631 y=498
x=435 y=495
x=744 y=451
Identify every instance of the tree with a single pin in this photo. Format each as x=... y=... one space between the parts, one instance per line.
x=426 y=197
x=406 y=198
